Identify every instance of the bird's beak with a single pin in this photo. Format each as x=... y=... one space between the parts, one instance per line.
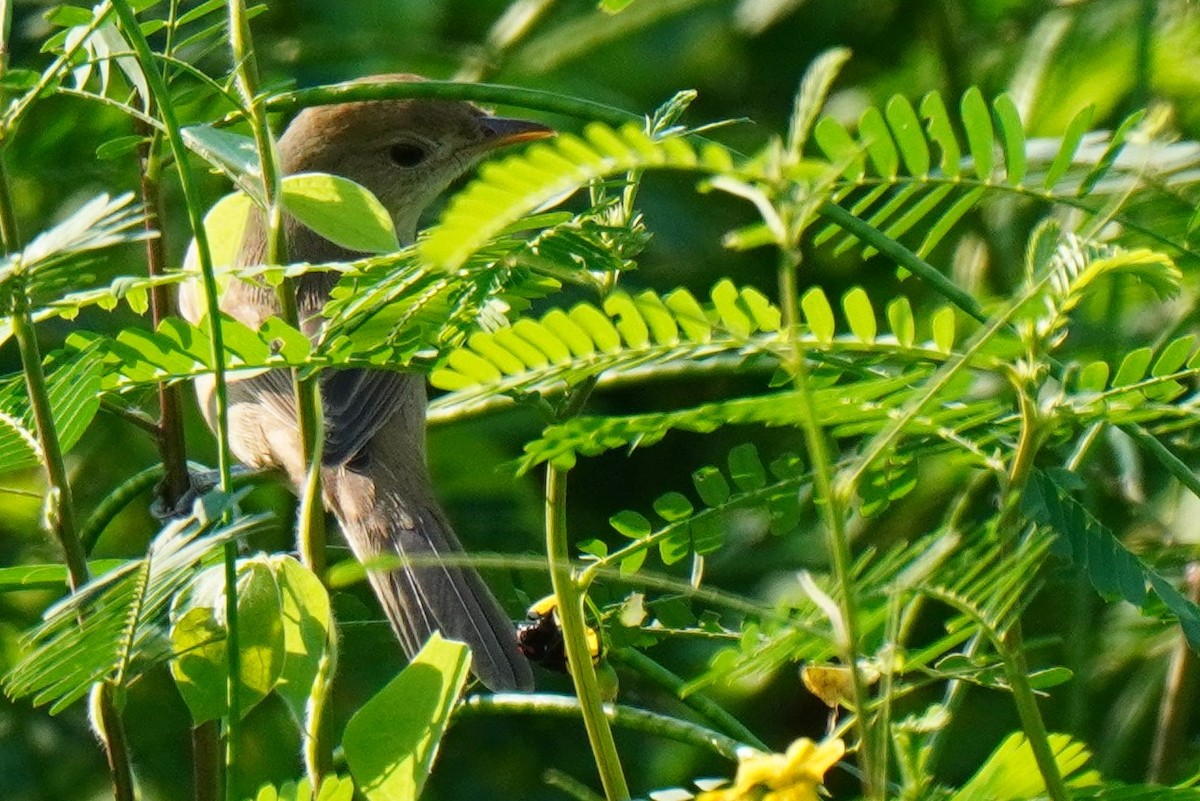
x=502 y=131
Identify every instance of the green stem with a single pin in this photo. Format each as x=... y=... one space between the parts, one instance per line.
x=1016 y=671
x=308 y=416
x=904 y=257
x=832 y=504
x=162 y=98
x=115 y=744
x=290 y=102
x=1011 y=646
x=60 y=507
x=62 y=519
x=570 y=610
x=649 y=669
x=569 y=786
x=112 y=504
x=625 y=717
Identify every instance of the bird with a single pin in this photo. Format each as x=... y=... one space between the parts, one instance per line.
x=374 y=475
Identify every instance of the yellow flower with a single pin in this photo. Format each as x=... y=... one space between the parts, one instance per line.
x=793 y=776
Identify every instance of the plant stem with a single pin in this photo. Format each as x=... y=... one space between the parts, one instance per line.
x=905 y=258
x=161 y=96
x=172 y=447
x=206 y=762
x=570 y=610
x=308 y=416
x=832 y=504
x=1179 y=694
x=452 y=90
x=569 y=786
x=60 y=507
x=626 y=717
x=659 y=675
x=62 y=518
x=115 y=744
x=1010 y=645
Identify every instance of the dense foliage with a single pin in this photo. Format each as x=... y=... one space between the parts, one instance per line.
x=862 y=438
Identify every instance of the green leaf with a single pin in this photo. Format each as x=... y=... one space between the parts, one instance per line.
x=941 y=131
x=860 y=314
x=1011 y=772
x=392 y=740
x=943 y=329
x=746 y=469
x=909 y=135
x=818 y=314
x=68 y=16
x=1012 y=139
x=980 y=138
x=49 y=576
x=340 y=210
x=74 y=394
x=225 y=225
x=1076 y=128
x=1094 y=377
x=1116 y=144
x=711 y=486
x=840 y=148
x=814 y=88
x=199 y=635
x=630 y=524
x=233 y=154
x=673 y=506
x=900 y=318
x=878 y=140
x=1133 y=367
x=307 y=628
x=510 y=188
x=119 y=147
x=333 y=788
x=1113 y=570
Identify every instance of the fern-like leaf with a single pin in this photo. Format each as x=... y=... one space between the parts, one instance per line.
x=111 y=630
x=1113 y=570
x=897 y=188
x=73 y=390
x=509 y=189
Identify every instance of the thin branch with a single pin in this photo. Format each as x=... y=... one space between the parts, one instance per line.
x=626 y=717
x=570 y=611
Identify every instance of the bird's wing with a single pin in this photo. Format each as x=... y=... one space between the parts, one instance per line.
x=357 y=403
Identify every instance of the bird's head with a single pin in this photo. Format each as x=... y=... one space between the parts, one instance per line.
x=407 y=152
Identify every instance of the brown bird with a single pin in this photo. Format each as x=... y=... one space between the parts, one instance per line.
x=374 y=474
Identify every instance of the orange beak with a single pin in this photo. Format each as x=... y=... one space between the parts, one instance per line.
x=503 y=131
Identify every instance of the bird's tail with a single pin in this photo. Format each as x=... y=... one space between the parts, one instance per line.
x=384 y=513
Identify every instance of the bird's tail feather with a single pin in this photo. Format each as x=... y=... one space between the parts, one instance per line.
x=425 y=594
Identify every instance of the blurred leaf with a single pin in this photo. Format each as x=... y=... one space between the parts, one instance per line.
x=49 y=576
x=233 y=154
x=1114 y=571
x=1011 y=772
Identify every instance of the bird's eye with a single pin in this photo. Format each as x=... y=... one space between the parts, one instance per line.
x=406 y=154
